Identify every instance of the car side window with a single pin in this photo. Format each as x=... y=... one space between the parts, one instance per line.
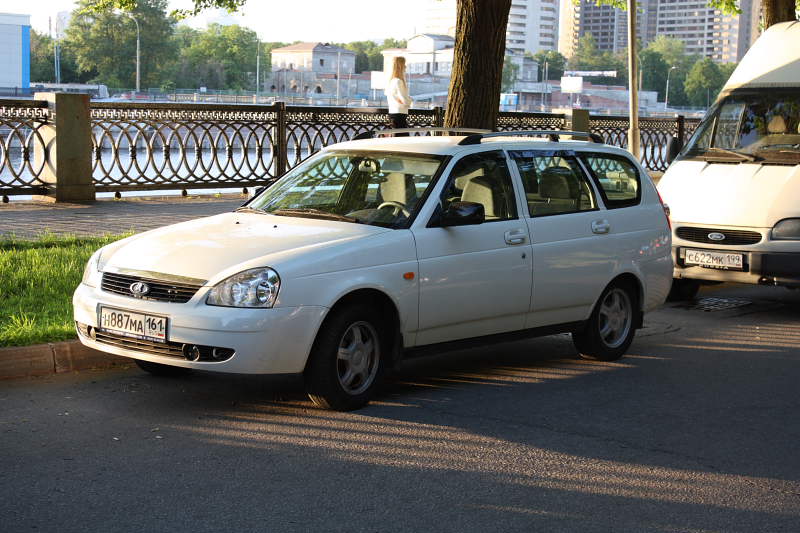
x=617 y=178
x=483 y=178
x=554 y=183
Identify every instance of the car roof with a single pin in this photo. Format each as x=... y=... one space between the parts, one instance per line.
x=449 y=145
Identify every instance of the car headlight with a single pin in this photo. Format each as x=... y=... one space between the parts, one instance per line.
x=257 y=287
x=92 y=274
x=787 y=229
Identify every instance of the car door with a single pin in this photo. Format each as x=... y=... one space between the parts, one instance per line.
x=474 y=280
x=571 y=259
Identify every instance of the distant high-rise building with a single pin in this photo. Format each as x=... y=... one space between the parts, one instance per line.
x=532 y=24
x=707 y=31
x=704 y=30
x=608 y=25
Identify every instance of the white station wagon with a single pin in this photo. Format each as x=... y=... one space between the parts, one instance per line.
x=376 y=249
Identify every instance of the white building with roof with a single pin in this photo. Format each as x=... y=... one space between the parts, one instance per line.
x=15 y=51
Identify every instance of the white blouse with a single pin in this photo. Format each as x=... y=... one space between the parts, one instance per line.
x=398 y=97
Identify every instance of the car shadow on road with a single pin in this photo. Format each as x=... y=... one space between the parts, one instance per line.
x=539 y=425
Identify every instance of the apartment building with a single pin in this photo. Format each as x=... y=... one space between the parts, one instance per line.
x=707 y=31
x=608 y=25
x=704 y=30
x=532 y=24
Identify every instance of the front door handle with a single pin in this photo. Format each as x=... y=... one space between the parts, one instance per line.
x=515 y=236
x=601 y=226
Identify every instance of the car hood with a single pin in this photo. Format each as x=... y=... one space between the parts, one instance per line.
x=746 y=194
x=214 y=247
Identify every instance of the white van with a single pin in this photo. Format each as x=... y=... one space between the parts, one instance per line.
x=734 y=189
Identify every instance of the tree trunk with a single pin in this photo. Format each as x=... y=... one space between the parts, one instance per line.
x=776 y=11
x=474 y=95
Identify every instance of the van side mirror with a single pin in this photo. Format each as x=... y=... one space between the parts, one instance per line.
x=463 y=214
x=673 y=148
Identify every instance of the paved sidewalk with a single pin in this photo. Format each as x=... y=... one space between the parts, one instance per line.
x=108 y=216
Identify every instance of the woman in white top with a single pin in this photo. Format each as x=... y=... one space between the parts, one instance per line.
x=397 y=94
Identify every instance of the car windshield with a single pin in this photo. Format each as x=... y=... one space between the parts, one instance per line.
x=376 y=188
x=750 y=126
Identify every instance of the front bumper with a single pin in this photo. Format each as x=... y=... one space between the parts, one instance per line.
x=264 y=341
x=759 y=267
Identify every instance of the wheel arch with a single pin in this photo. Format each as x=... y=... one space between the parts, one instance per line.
x=380 y=301
x=629 y=278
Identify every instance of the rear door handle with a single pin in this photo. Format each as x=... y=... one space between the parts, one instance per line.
x=515 y=236
x=601 y=226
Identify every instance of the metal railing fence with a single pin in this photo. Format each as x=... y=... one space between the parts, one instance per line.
x=159 y=146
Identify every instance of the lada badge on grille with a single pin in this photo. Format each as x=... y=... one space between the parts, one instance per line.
x=139 y=289
x=716 y=236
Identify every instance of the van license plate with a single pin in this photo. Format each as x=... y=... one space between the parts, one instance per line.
x=135 y=325
x=709 y=259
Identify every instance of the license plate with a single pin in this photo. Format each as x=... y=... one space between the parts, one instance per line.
x=709 y=259
x=132 y=324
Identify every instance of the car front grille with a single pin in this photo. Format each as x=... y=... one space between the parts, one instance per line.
x=159 y=290
x=732 y=236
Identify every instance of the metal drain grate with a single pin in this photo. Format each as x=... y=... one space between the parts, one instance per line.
x=719 y=304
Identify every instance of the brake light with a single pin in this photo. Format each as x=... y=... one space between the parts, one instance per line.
x=665 y=207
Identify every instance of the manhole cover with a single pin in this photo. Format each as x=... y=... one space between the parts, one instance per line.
x=719 y=304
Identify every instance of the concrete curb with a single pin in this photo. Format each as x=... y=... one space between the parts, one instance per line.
x=54 y=358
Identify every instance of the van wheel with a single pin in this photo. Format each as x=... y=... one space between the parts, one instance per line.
x=610 y=329
x=347 y=361
x=683 y=289
x=157 y=369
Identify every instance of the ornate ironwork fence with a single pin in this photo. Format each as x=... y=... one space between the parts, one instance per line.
x=180 y=146
x=655 y=134
x=158 y=146
x=23 y=148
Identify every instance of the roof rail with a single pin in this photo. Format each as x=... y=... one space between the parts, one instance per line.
x=553 y=135
x=378 y=133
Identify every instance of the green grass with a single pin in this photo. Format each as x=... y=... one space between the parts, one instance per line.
x=37 y=279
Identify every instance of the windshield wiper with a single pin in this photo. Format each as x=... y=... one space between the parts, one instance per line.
x=744 y=156
x=246 y=209
x=313 y=213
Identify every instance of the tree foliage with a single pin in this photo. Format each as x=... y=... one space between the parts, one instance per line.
x=218 y=57
x=588 y=57
x=510 y=73
x=104 y=43
x=556 y=64
x=368 y=53
x=43 y=64
x=703 y=82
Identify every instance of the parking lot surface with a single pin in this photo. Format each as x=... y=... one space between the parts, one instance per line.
x=695 y=430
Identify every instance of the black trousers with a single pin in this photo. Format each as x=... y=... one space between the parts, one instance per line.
x=399 y=120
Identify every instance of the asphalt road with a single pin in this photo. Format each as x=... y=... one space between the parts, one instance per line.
x=696 y=430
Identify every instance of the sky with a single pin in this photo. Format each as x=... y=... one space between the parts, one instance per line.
x=279 y=20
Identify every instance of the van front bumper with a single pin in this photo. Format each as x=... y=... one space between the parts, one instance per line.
x=760 y=268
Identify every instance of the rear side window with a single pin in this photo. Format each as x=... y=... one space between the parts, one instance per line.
x=617 y=178
x=554 y=183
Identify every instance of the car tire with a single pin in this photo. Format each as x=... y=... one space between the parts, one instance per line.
x=611 y=327
x=683 y=289
x=157 y=369
x=347 y=360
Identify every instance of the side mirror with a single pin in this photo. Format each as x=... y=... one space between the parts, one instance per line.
x=673 y=148
x=463 y=214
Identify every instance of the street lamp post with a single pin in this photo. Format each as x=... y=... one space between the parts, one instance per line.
x=138 y=51
x=633 y=102
x=666 y=90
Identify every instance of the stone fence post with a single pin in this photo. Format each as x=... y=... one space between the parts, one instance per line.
x=579 y=120
x=67 y=149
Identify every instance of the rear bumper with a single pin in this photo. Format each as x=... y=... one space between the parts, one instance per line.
x=759 y=268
